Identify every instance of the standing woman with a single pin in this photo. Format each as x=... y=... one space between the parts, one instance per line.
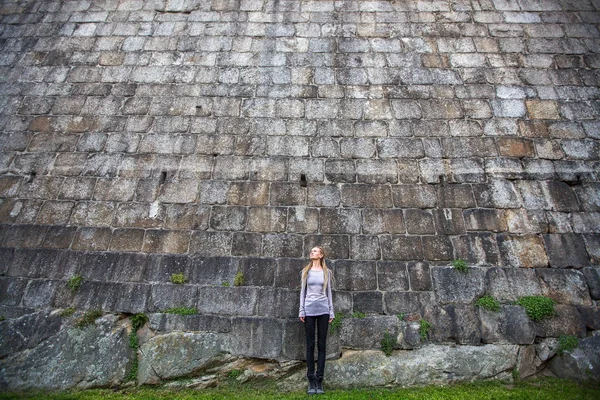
x=316 y=310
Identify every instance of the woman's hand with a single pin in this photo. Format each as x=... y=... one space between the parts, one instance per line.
x=302 y=319
x=330 y=319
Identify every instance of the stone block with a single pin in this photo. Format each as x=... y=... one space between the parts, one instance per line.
x=375 y=196
x=400 y=148
x=256 y=337
x=565 y=286
x=364 y=247
x=246 y=244
x=367 y=302
x=165 y=296
x=481 y=219
x=13 y=290
x=522 y=251
x=477 y=248
x=28 y=331
x=376 y=171
x=566 y=321
x=131 y=298
x=186 y=216
x=395 y=247
x=214 y=192
x=160 y=268
x=287 y=274
x=455 y=196
x=95 y=239
x=437 y=248
x=129 y=267
x=336 y=246
x=566 y=250
x=213 y=271
x=366 y=333
x=419 y=221
x=456 y=322
x=97 y=266
x=164 y=241
x=509 y=325
x=592 y=275
x=414 y=196
x=467 y=146
x=355 y=275
x=449 y=221
x=376 y=221
x=590 y=316
x=340 y=221
x=289 y=194
x=357 y=148
x=340 y=171
x=230 y=218
x=127 y=240
x=393 y=276
x=452 y=286
x=542 y=109
x=497 y=194
x=302 y=219
x=33 y=263
x=282 y=245
x=515 y=147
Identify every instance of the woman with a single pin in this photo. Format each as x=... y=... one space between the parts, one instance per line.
x=316 y=309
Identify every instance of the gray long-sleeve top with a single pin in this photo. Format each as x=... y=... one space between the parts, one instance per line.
x=313 y=301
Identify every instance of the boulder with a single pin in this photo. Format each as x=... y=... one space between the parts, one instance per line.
x=582 y=363
x=97 y=355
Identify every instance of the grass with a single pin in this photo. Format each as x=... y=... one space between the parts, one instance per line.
x=537 y=307
x=88 y=318
x=74 y=282
x=546 y=389
x=460 y=266
x=388 y=343
x=178 y=279
x=182 y=311
x=489 y=303
x=424 y=328
x=567 y=343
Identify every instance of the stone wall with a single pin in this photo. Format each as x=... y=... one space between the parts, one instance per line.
x=145 y=138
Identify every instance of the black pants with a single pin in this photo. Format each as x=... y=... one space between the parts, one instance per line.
x=321 y=322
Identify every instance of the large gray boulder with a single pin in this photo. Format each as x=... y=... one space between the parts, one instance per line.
x=97 y=355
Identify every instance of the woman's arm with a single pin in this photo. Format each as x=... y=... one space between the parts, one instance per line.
x=330 y=298
x=301 y=313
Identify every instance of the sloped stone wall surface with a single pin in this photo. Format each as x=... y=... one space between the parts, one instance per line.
x=145 y=138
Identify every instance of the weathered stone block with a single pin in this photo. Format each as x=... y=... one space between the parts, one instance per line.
x=246 y=244
x=452 y=286
x=566 y=321
x=375 y=196
x=522 y=251
x=287 y=274
x=95 y=239
x=213 y=270
x=477 y=248
x=302 y=219
x=510 y=284
x=484 y=220
x=160 y=268
x=165 y=296
x=232 y=218
x=340 y=220
x=278 y=303
x=364 y=247
x=375 y=221
x=282 y=245
x=336 y=246
x=366 y=333
x=287 y=194
x=566 y=250
x=565 y=286
x=419 y=221
x=368 y=302
x=355 y=275
x=458 y=323
x=256 y=337
x=510 y=324
x=449 y=221
x=377 y=171
x=415 y=196
x=497 y=194
x=395 y=247
x=592 y=275
x=340 y=171
x=392 y=276
x=163 y=241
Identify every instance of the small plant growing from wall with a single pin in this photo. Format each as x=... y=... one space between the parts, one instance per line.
x=235 y=373
x=489 y=303
x=67 y=312
x=460 y=266
x=178 y=279
x=2 y=318
x=74 y=282
x=358 y=314
x=336 y=324
x=401 y=316
x=388 y=344
x=239 y=279
x=225 y=284
x=424 y=328
x=137 y=321
x=567 y=343
x=537 y=307
x=181 y=311
x=88 y=318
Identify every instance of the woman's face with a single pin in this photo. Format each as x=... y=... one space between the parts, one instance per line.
x=316 y=253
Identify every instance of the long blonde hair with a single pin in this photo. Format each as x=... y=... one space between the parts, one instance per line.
x=326 y=271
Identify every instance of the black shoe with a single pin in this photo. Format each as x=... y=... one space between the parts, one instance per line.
x=319 y=386
x=312 y=385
